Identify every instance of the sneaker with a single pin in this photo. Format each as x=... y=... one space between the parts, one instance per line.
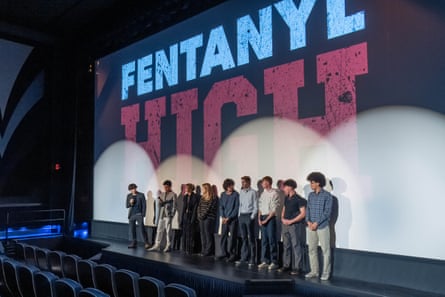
x=251 y=263
x=294 y=272
x=147 y=246
x=324 y=277
x=263 y=265
x=231 y=259
x=167 y=250
x=284 y=269
x=132 y=245
x=240 y=262
x=154 y=248
x=273 y=266
x=311 y=275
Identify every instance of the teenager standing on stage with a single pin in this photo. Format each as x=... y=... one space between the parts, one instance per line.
x=136 y=205
x=228 y=210
x=318 y=213
x=267 y=207
x=207 y=209
x=177 y=220
x=167 y=209
x=248 y=209
x=292 y=218
x=189 y=215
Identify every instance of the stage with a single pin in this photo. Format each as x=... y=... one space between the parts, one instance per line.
x=210 y=277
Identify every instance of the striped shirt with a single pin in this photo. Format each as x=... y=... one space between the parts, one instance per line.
x=319 y=207
x=207 y=209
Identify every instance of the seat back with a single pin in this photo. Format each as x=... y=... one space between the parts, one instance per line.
x=69 y=266
x=30 y=255
x=178 y=290
x=104 y=278
x=55 y=262
x=126 y=283
x=3 y=288
x=85 y=273
x=10 y=268
x=20 y=251
x=92 y=292
x=44 y=283
x=150 y=286
x=25 y=277
x=66 y=287
x=42 y=258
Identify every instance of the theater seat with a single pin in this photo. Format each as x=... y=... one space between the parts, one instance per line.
x=25 y=275
x=91 y=292
x=178 y=290
x=55 y=262
x=44 y=284
x=20 y=251
x=10 y=268
x=85 y=273
x=66 y=287
x=42 y=258
x=127 y=283
x=3 y=288
x=69 y=266
x=150 y=286
x=104 y=278
x=30 y=255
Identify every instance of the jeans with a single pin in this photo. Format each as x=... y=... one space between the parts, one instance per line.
x=140 y=221
x=292 y=246
x=207 y=229
x=164 y=227
x=269 y=250
x=247 y=234
x=321 y=236
x=228 y=243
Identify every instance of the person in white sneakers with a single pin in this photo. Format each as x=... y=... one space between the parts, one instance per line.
x=267 y=209
x=318 y=213
x=167 y=209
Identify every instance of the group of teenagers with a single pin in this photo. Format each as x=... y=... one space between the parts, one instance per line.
x=200 y=210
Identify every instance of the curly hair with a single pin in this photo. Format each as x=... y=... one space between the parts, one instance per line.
x=317 y=177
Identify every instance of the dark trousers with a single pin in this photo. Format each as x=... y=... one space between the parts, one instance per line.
x=246 y=225
x=207 y=228
x=140 y=220
x=188 y=237
x=269 y=250
x=292 y=246
x=177 y=237
x=228 y=243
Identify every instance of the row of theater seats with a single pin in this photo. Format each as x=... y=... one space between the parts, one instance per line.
x=41 y=272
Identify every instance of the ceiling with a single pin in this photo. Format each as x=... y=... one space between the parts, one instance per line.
x=106 y=22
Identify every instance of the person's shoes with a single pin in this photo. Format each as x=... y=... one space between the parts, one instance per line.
x=273 y=266
x=231 y=259
x=284 y=269
x=132 y=245
x=263 y=265
x=311 y=275
x=147 y=246
x=220 y=257
x=251 y=263
x=294 y=272
x=324 y=277
x=154 y=248
x=240 y=262
x=167 y=250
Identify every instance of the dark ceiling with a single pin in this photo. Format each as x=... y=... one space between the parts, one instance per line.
x=101 y=25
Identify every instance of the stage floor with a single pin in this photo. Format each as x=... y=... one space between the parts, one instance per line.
x=206 y=275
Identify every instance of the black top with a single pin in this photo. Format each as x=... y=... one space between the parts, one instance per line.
x=207 y=209
x=190 y=207
x=139 y=205
x=292 y=206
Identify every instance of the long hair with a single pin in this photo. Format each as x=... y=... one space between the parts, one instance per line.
x=207 y=192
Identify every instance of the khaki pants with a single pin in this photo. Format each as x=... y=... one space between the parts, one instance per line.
x=164 y=227
x=321 y=236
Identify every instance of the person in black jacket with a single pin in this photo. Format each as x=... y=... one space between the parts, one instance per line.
x=189 y=219
x=136 y=205
x=207 y=211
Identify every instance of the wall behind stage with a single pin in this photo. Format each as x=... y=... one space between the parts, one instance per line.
x=351 y=88
x=24 y=124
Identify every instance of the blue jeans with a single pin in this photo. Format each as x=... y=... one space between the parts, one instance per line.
x=269 y=250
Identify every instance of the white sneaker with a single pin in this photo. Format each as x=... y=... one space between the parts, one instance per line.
x=167 y=249
x=324 y=277
x=263 y=265
x=311 y=275
x=154 y=248
x=273 y=266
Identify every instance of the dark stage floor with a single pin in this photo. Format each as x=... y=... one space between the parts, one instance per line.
x=215 y=278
